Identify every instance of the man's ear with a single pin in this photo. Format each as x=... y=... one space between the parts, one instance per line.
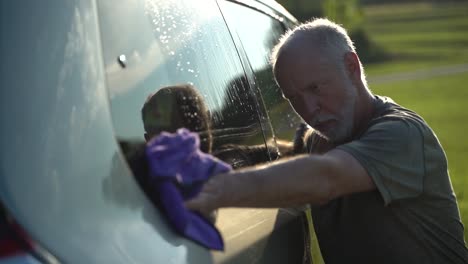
x=352 y=65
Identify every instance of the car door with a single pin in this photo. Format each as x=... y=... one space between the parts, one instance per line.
x=182 y=42
x=186 y=42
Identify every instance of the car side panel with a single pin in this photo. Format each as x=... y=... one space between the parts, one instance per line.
x=58 y=149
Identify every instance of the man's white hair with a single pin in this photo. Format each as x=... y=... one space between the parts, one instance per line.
x=331 y=38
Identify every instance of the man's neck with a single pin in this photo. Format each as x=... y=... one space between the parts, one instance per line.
x=364 y=112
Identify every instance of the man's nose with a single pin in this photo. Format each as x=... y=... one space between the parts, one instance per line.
x=310 y=109
x=312 y=105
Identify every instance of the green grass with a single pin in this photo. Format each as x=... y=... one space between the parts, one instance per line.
x=425 y=36
x=418 y=36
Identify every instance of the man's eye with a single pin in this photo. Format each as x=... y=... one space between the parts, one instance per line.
x=315 y=89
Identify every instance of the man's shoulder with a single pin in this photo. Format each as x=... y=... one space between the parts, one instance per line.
x=397 y=118
x=386 y=108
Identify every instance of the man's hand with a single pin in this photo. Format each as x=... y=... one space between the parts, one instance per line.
x=210 y=198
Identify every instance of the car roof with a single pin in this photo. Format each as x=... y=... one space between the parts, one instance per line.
x=265 y=5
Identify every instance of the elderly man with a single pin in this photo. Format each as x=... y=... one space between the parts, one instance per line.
x=377 y=182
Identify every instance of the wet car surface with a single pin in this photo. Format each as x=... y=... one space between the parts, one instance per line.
x=75 y=76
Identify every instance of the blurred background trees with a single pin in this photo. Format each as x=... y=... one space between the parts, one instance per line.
x=345 y=12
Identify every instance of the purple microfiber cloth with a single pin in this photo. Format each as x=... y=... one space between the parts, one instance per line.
x=178 y=169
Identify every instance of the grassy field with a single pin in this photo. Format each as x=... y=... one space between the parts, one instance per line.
x=419 y=36
x=425 y=36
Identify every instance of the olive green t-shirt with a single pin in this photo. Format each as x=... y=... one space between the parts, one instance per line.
x=412 y=216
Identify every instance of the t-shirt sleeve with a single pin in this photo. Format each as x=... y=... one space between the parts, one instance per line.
x=392 y=154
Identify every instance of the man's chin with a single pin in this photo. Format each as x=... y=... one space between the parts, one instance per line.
x=333 y=138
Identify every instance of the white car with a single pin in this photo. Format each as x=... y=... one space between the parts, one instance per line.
x=74 y=77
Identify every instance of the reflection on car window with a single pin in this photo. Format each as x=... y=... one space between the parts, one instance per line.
x=182 y=50
x=174 y=107
x=258 y=41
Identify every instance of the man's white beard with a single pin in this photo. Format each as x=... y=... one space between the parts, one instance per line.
x=345 y=119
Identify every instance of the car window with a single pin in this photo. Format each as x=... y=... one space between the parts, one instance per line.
x=179 y=58
x=258 y=41
x=267 y=229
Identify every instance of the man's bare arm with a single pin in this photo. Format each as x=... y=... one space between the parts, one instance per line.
x=314 y=179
